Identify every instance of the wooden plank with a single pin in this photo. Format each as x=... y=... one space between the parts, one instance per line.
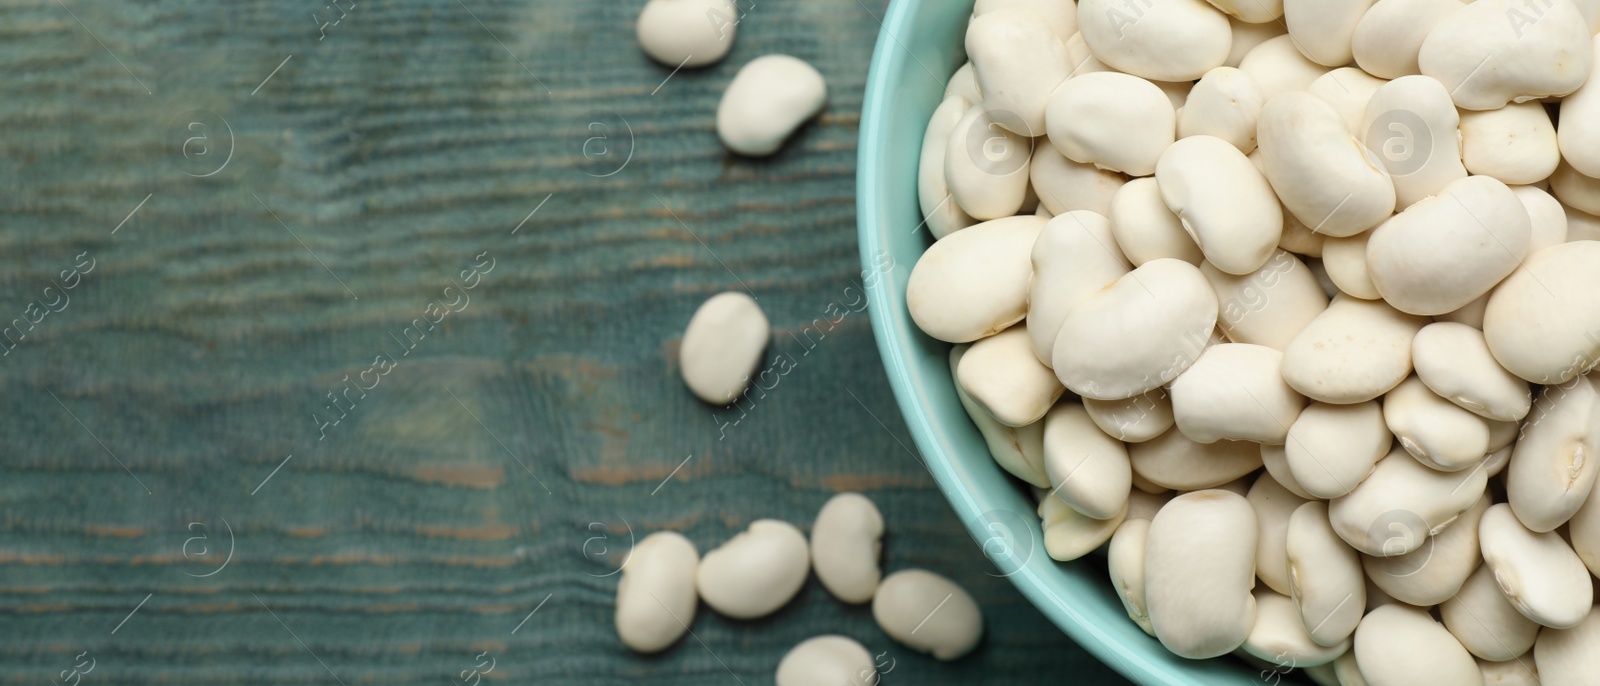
x=149 y=423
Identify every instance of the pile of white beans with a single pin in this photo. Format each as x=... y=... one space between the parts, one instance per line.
x=1351 y=242
x=759 y=571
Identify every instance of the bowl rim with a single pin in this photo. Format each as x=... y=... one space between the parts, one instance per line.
x=887 y=60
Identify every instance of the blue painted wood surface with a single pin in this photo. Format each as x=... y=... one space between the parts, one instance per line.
x=341 y=346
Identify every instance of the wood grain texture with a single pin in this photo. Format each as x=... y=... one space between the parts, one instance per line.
x=505 y=455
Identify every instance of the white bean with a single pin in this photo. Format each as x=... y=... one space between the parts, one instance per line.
x=1111 y=120
x=1236 y=392
x=1332 y=448
x=1401 y=504
x=1390 y=34
x=1225 y=103
x=1001 y=374
x=1070 y=534
x=1171 y=460
x=1434 y=572
x=1147 y=487
x=1553 y=467
x=846 y=539
x=756 y=572
x=1323 y=29
x=1402 y=646
x=1321 y=172
x=1273 y=505
x=1584 y=527
x=1496 y=462
x=1299 y=238
x=1538 y=573
x=826 y=661
x=1345 y=668
x=1492 y=52
x=1125 y=563
x=1064 y=186
x=1088 y=469
x=1276 y=461
x=1133 y=420
x=1346 y=261
x=986 y=165
x=965 y=84
x=1548 y=217
x=905 y=608
x=1174 y=40
x=1575 y=189
x=1163 y=312
x=974 y=283
x=1568 y=656
x=1581 y=226
x=766 y=101
x=1516 y=143
x=1324 y=577
x=1485 y=622
x=688 y=33
x=1354 y=351
x=722 y=346
x=1413 y=127
x=1277 y=66
x=1454 y=361
x=1541 y=320
x=1278 y=636
x=944 y=216
x=1579 y=136
x=1224 y=203
x=1020 y=450
x=1018 y=60
x=1348 y=90
x=1199 y=562
x=1269 y=306
x=1074 y=256
x=1432 y=258
x=1145 y=229
x=1439 y=433
x=656 y=599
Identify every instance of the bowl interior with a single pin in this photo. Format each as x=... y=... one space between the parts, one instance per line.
x=919 y=47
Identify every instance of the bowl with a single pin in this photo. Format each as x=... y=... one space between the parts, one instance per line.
x=919 y=46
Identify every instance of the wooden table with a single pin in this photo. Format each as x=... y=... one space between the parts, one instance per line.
x=237 y=446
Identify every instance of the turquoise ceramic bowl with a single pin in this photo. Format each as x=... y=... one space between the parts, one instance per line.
x=919 y=47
